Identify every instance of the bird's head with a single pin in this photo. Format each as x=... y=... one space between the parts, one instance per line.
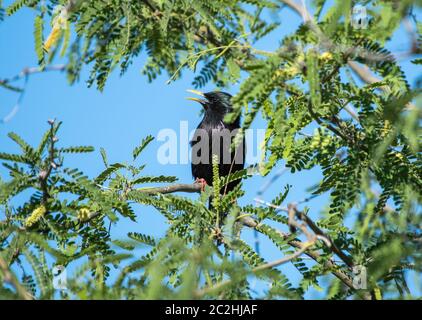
x=216 y=103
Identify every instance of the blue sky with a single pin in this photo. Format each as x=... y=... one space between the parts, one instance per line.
x=129 y=109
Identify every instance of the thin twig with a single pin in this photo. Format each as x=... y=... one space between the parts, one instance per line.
x=24 y=74
x=363 y=71
x=33 y=70
x=328 y=264
x=326 y=238
x=269 y=265
x=285 y=259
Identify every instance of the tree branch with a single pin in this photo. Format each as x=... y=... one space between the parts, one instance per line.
x=275 y=263
x=312 y=225
x=328 y=264
x=363 y=72
x=179 y=187
x=32 y=70
x=252 y=223
x=10 y=278
x=294 y=212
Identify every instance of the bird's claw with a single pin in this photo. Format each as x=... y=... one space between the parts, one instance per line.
x=203 y=183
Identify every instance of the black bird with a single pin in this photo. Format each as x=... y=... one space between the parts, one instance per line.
x=215 y=136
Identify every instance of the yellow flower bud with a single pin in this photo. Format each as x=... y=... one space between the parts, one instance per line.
x=291 y=71
x=52 y=37
x=399 y=155
x=386 y=129
x=36 y=215
x=83 y=214
x=325 y=56
x=59 y=24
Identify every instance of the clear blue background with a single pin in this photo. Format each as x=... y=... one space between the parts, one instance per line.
x=129 y=109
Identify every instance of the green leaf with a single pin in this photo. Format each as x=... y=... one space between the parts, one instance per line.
x=104 y=157
x=142 y=146
x=18 y=4
x=151 y=179
x=22 y=143
x=66 y=39
x=14 y=157
x=143 y=238
x=78 y=149
x=109 y=171
x=38 y=36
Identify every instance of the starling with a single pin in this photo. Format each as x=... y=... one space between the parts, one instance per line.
x=214 y=136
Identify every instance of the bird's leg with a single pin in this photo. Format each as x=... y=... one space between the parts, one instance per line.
x=203 y=183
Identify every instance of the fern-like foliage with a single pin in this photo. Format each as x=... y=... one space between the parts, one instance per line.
x=332 y=98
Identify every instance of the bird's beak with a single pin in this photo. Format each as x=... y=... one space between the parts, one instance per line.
x=201 y=101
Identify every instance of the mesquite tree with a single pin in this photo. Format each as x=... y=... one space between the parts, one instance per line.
x=331 y=73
